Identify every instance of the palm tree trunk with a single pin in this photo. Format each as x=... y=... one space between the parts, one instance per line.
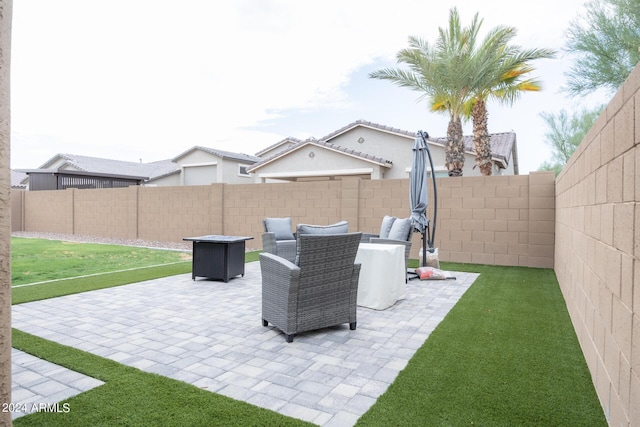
x=481 y=138
x=5 y=211
x=454 y=147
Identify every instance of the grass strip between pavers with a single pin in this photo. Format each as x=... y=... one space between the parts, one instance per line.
x=505 y=355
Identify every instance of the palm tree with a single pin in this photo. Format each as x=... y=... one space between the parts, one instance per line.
x=459 y=76
x=443 y=73
x=5 y=211
x=501 y=67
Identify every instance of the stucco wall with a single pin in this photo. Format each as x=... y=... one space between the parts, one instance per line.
x=597 y=249
x=382 y=144
x=490 y=220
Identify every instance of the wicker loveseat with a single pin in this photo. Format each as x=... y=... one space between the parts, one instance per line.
x=318 y=291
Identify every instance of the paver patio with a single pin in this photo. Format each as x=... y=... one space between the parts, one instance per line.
x=39 y=385
x=210 y=334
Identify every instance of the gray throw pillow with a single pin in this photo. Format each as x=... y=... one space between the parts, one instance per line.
x=385 y=228
x=280 y=226
x=400 y=229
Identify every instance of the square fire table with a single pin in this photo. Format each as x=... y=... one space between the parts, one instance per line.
x=218 y=257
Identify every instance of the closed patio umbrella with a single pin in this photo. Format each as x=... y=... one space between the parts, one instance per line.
x=418 y=196
x=418 y=184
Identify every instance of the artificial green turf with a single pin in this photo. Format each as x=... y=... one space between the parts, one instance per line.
x=505 y=355
x=36 y=260
x=41 y=291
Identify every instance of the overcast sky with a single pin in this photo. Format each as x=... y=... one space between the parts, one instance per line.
x=146 y=80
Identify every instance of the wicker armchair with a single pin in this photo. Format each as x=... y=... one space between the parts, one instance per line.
x=278 y=238
x=320 y=291
x=393 y=231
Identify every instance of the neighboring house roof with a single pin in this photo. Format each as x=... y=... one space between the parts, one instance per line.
x=371 y=125
x=16 y=179
x=241 y=157
x=323 y=144
x=108 y=166
x=151 y=171
x=502 y=144
x=287 y=140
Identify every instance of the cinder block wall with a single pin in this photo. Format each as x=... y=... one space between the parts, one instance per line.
x=326 y=202
x=597 y=249
x=106 y=212
x=49 y=211
x=504 y=220
x=17 y=209
x=501 y=220
x=168 y=214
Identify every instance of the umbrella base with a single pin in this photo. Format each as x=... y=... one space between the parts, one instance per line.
x=431 y=258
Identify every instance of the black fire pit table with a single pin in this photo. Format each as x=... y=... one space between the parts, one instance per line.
x=218 y=257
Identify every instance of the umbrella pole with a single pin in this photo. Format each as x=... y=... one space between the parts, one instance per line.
x=431 y=234
x=424 y=249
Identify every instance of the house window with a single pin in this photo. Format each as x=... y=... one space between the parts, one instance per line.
x=242 y=170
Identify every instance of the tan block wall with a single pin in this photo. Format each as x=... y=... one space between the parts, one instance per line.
x=501 y=220
x=597 y=251
x=246 y=205
x=17 y=210
x=168 y=214
x=106 y=212
x=505 y=220
x=49 y=211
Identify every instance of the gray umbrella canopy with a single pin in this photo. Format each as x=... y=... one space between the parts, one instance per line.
x=418 y=183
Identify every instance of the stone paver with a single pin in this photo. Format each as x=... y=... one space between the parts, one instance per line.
x=39 y=385
x=210 y=334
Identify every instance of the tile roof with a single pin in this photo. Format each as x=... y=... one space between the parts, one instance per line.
x=152 y=171
x=17 y=178
x=369 y=124
x=277 y=144
x=222 y=154
x=324 y=144
x=109 y=166
x=502 y=144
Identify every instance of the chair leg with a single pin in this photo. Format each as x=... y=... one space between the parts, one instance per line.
x=289 y=337
x=265 y=323
x=352 y=326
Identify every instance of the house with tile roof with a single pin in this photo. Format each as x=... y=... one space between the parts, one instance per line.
x=204 y=165
x=369 y=151
x=196 y=166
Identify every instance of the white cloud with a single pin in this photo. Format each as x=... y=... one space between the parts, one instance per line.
x=149 y=79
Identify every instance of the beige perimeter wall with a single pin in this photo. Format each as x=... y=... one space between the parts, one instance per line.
x=502 y=220
x=598 y=248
